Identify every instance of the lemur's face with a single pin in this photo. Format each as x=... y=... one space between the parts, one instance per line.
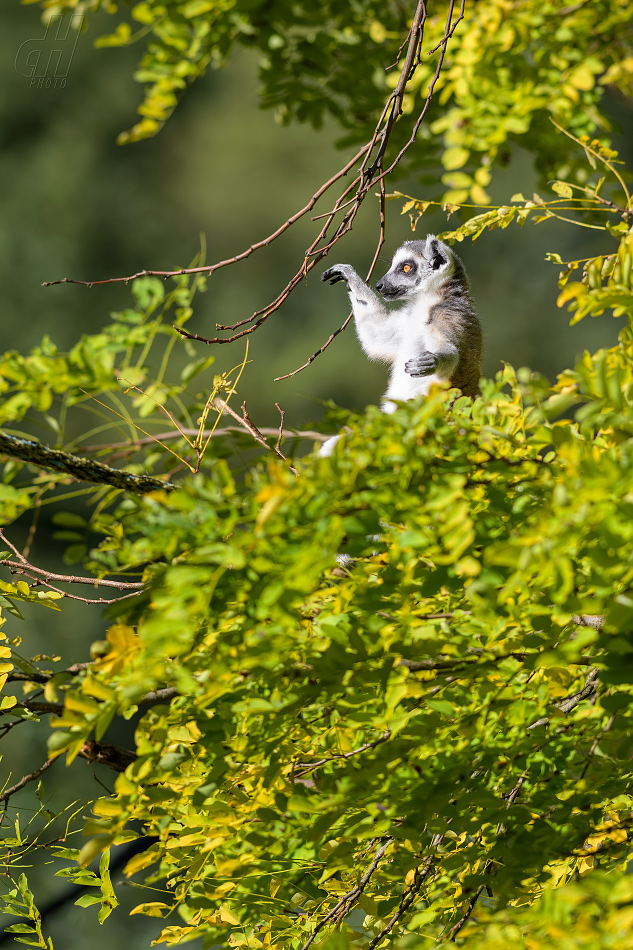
x=416 y=267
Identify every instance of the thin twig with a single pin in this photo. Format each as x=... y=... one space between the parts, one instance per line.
x=332 y=336
x=37 y=507
x=452 y=933
x=6 y=795
x=226 y=430
x=310 y=766
x=66 y=578
x=209 y=269
x=318 y=352
x=247 y=423
x=69 y=578
x=344 y=904
x=408 y=897
x=85 y=600
x=281 y=426
x=594 y=744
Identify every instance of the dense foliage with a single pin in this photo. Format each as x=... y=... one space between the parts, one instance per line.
x=509 y=68
x=392 y=745
x=432 y=742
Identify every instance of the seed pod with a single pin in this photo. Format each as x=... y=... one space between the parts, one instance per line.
x=617 y=274
x=594 y=271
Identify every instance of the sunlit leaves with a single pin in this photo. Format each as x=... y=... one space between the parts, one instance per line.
x=508 y=67
x=605 y=282
x=301 y=737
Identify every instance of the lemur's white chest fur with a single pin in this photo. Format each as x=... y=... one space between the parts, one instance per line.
x=413 y=333
x=435 y=335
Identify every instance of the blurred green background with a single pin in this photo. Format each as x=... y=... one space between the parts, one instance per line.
x=74 y=204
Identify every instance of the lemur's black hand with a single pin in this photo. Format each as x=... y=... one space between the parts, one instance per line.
x=335 y=273
x=423 y=365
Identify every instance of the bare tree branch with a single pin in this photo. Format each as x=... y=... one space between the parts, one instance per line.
x=371 y=170
x=310 y=766
x=282 y=413
x=332 y=336
x=66 y=578
x=346 y=902
x=83 y=469
x=409 y=896
x=594 y=744
x=311 y=434
x=83 y=600
x=248 y=424
x=210 y=268
x=452 y=933
x=6 y=795
x=40 y=577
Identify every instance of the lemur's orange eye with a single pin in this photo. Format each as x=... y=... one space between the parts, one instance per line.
x=406 y=268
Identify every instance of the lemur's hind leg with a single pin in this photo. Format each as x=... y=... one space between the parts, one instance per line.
x=328 y=446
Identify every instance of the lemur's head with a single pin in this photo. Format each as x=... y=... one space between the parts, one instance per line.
x=416 y=267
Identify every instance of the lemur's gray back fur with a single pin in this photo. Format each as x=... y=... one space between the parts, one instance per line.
x=456 y=314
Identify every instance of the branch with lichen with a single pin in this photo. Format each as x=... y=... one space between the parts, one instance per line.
x=83 y=469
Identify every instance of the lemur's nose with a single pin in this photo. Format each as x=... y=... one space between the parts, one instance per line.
x=379 y=285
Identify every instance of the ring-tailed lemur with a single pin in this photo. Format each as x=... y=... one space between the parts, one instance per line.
x=435 y=335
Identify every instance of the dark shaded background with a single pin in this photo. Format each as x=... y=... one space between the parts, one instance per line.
x=74 y=204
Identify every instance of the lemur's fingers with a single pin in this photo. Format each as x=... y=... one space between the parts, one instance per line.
x=423 y=365
x=335 y=273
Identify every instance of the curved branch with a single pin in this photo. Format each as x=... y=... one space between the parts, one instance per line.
x=209 y=269
x=311 y=766
x=248 y=424
x=6 y=795
x=66 y=578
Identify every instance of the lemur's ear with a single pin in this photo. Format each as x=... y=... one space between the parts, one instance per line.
x=435 y=253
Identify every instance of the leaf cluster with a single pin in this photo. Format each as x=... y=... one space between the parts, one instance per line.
x=509 y=68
